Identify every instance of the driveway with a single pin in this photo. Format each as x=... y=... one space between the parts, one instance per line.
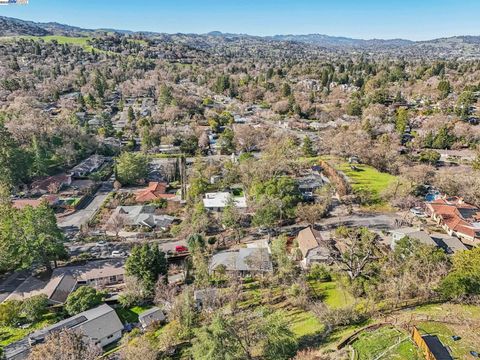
x=9 y=282
x=75 y=221
x=384 y=221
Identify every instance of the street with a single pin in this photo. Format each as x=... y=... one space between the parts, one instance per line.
x=81 y=217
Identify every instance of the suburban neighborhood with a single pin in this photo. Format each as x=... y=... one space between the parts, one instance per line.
x=225 y=196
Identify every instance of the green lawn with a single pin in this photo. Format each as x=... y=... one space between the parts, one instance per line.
x=331 y=293
x=377 y=344
x=303 y=323
x=367 y=178
x=10 y=334
x=130 y=315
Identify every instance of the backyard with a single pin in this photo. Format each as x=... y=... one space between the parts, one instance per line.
x=366 y=178
x=385 y=343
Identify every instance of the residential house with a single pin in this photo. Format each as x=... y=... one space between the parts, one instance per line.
x=246 y=261
x=140 y=215
x=152 y=316
x=88 y=166
x=51 y=184
x=457 y=218
x=314 y=248
x=100 y=325
x=51 y=200
x=307 y=185
x=219 y=200
x=154 y=191
x=447 y=243
x=64 y=280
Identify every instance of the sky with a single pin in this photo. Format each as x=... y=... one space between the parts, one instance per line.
x=365 y=19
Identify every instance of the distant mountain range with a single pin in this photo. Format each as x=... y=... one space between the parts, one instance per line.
x=457 y=46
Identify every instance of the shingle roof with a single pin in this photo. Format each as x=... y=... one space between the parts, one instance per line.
x=96 y=324
x=150 y=316
x=308 y=239
x=245 y=259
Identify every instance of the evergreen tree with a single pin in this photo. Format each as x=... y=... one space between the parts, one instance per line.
x=307 y=147
x=146 y=263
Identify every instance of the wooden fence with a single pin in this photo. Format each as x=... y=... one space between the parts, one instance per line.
x=418 y=339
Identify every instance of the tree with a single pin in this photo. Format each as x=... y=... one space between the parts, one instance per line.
x=165 y=98
x=116 y=224
x=226 y=143
x=131 y=168
x=40 y=238
x=401 y=120
x=232 y=337
x=130 y=115
x=65 y=345
x=10 y=312
x=359 y=252
x=464 y=278
x=134 y=293
x=140 y=347
x=189 y=145
x=464 y=101
x=429 y=157
x=445 y=88
x=307 y=147
x=34 y=307
x=231 y=218
x=354 y=108
x=282 y=260
x=311 y=213
x=275 y=199
x=82 y=299
x=146 y=263
x=195 y=243
x=443 y=139
x=279 y=340
x=13 y=164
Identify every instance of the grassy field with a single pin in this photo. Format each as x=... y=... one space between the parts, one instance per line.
x=78 y=41
x=367 y=178
x=331 y=293
x=10 y=334
x=460 y=349
x=130 y=315
x=385 y=343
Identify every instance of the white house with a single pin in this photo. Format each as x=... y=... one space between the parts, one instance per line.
x=219 y=200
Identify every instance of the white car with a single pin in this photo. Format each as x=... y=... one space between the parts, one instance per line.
x=118 y=254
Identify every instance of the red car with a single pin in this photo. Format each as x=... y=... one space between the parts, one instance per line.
x=181 y=249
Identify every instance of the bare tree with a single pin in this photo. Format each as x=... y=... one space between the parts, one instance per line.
x=65 y=345
x=116 y=224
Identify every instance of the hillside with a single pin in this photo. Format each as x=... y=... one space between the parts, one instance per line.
x=453 y=47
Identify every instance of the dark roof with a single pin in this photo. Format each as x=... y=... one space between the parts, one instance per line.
x=436 y=347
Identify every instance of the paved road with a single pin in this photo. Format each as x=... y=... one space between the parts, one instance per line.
x=93 y=248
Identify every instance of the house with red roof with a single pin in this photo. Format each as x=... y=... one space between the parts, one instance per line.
x=457 y=218
x=154 y=191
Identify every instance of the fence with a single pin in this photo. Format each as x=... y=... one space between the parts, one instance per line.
x=418 y=339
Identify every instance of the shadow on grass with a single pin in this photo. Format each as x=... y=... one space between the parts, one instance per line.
x=127 y=316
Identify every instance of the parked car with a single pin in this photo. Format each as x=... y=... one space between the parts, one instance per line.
x=118 y=254
x=181 y=249
x=102 y=243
